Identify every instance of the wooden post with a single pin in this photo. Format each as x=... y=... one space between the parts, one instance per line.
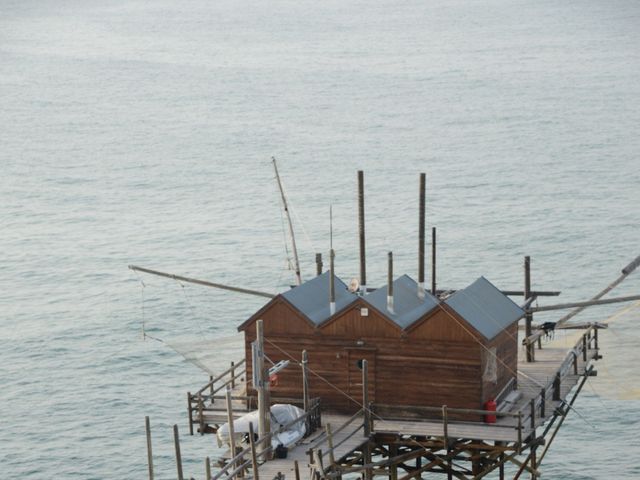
x=529 y=316
x=433 y=260
x=584 y=348
x=390 y=307
x=445 y=428
x=201 y=414
x=254 y=457
x=296 y=469
x=543 y=402
x=421 y=234
x=190 y=413
x=332 y=285
x=233 y=374
x=532 y=405
x=365 y=397
x=367 y=417
x=305 y=382
x=330 y=444
x=318 y=264
x=519 y=450
x=445 y=440
x=176 y=442
x=207 y=468
x=232 y=432
x=393 y=468
x=147 y=426
x=533 y=463
x=556 y=387
x=363 y=263
x=263 y=405
x=575 y=363
x=211 y=389
x=595 y=336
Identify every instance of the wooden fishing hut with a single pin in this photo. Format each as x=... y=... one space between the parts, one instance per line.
x=461 y=351
x=423 y=372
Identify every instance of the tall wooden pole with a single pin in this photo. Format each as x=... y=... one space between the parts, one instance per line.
x=390 y=283
x=529 y=316
x=264 y=413
x=363 y=265
x=176 y=442
x=332 y=285
x=232 y=432
x=296 y=262
x=147 y=425
x=368 y=474
x=433 y=260
x=421 y=235
x=305 y=381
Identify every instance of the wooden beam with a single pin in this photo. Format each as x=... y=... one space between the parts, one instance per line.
x=204 y=283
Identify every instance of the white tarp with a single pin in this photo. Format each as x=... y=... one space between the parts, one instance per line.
x=281 y=414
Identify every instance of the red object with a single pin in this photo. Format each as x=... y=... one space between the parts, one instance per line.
x=273 y=380
x=490 y=406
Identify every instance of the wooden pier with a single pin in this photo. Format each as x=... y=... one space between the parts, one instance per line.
x=404 y=442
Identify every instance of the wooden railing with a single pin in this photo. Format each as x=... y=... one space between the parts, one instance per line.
x=201 y=401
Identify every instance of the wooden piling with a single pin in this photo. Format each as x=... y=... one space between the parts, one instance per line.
x=330 y=444
x=296 y=469
x=543 y=402
x=147 y=426
x=207 y=468
x=176 y=443
x=190 y=413
x=532 y=408
x=556 y=387
x=232 y=433
x=584 y=348
x=254 y=456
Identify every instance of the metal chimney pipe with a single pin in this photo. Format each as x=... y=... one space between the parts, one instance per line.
x=363 y=266
x=390 y=284
x=433 y=260
x=318 y=264
x=421 y=234
x=332 y=286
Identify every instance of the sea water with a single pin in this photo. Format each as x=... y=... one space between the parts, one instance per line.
x=141 y=132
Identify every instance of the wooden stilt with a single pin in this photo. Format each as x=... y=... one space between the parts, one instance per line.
x=147 y=425
x=254 y=456
x=176 y=443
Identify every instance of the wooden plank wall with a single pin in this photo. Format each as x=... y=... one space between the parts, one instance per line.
x=437 y=362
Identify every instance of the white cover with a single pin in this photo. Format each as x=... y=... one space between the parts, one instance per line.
x=281 y=414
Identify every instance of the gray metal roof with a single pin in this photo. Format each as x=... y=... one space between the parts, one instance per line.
x=312 y=297
x=485 y=307
x=408 y=307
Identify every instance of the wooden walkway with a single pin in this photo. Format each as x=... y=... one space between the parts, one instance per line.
x=554 y=358
x=345 y=441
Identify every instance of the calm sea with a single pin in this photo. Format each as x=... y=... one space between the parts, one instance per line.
x=142 y=131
